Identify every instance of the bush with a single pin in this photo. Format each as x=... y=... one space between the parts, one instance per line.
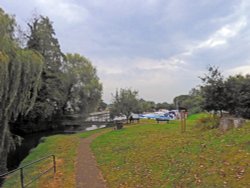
x=208 y=122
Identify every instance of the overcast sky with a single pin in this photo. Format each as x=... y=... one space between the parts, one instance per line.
x=158 y=47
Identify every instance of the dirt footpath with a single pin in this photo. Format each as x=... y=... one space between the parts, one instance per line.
x=88 y=175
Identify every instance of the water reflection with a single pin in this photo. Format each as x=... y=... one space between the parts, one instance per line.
x=30 y=141
x=93 y=127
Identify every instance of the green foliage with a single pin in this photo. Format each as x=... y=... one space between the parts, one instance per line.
x=52 y=96
x=213 y=90
x=125 y=102
x=232 y=94
x=42 y=39
x=38 y=82
x=69 y=83
x=7 y=28
x=147 y=106
x=165 y=105
x=20 y=77
x=238 y=95
x=84 y=89
x=20 y=82
x=29 y=80
x=102 y=105
x=192 y=101
x=209 y=122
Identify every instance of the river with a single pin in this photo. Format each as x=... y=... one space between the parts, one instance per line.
x=30 y=141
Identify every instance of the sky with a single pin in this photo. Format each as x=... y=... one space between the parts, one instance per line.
x=157 y=47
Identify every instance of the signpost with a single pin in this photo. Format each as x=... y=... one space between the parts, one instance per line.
x=183 y=114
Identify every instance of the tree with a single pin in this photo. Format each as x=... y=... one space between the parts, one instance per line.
x=163 y=105
x=20 y=78
x=102 y=105
x=181 y=101
x=213 y=90
x=125 y=102
x=38 y=82
x=192 y=101
x=51 y=97
x=238 y=95
x=146 y=106
x=195 y=101
x=83 y=87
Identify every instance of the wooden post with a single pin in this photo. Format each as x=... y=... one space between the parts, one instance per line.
x=22 y=177
x=183 y=120
x=185 y=117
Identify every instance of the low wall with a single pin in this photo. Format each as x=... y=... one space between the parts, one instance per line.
x=227 y=123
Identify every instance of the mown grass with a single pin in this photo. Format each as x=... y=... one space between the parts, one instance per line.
x=159 y=155
x=151 y=155
x=89 y=133
x=64 y=147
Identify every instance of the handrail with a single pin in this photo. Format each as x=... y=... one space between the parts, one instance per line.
x=29 y=164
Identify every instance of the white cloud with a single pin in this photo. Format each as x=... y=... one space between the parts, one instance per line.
x=109 y=70
x=157 y=47
x=245 y=69
x=63 y=10
x=148 y=76
x=163 y=73
x=221 y=36
x=172 y=63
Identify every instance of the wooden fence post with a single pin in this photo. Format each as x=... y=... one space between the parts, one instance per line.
x=183 y=120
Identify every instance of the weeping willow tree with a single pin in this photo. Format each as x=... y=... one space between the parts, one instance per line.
x=38 y=83
x=20 y=78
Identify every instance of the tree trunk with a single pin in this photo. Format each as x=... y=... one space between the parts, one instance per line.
x=221 y=114
x=4 y=145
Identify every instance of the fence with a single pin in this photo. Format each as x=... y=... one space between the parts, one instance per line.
x=21 y=169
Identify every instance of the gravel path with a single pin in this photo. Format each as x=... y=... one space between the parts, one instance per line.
x=88 y=175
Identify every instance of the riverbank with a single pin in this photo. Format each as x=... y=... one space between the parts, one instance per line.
x=151 y=154
x=64 y=147
x=31 y=140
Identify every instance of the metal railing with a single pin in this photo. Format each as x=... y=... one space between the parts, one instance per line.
x=23 y=185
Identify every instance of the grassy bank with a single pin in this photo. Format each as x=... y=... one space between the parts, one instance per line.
x=159 y=155
x=149 y=154
x=64 y=147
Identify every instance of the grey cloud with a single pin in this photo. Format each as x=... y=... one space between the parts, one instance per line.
x=158 y=47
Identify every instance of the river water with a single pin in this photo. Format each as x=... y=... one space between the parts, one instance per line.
x=30 y=141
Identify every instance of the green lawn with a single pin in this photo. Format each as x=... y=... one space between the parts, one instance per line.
x=151 y=155
x=159 y=155
x=64 y=147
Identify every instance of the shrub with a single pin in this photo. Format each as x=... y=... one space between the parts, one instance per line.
x=208 y=122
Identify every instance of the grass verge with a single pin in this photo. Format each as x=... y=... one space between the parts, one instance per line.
x=159 y=155
x=64 y=147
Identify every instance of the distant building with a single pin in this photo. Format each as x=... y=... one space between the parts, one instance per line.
x=99 y=116
x=163 y=110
